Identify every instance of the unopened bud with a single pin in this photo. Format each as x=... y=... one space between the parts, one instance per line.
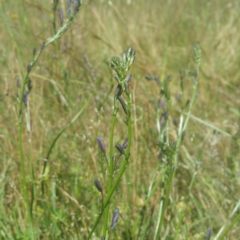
x=42 y=47
x=25 y=98
x=183 y=135
x=29 y=67
x=125 y=144
x=124 y=106
x=128 y=77
x=209 y=233
x=60 y=16
x=118 y=90
x=98 y=185
x=18 y=82
x=120 y=149
x=162 y=104
x=34 y=51
x=115 y=218
x=101 y=144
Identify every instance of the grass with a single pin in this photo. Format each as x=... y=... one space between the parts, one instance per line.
x=71 y=103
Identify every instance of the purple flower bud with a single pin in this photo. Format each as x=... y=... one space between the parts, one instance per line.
x=127 y=80
x=124 y=106
x=101 y=144
x=18 y=82
x=69 y=6
x=118 y=90
x=34 y=51
x=162 y=104
x=120 y=149
x=178 y=96
x=125 y=144
x=42 y=47
x=98 y=185
x=183 y=135
x=29 y=84
x=25 y=98
x=128 y=77
x=209 y=233
x=77 y=6
x=175 y=122
x=115 y=218
x=29 y=67
x=60 y=16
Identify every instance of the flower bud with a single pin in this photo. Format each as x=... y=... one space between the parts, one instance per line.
x=208 y=235
x=42 y=47
x=101 y=144
x=60 y=16
x=25 y=98
x=115 y=218
x=29 y=67
x=34 y=51
x=120 y=149
x=124 y=106
x=118 y=90
x=98 y=185
x=125 y=144
x=128 y=77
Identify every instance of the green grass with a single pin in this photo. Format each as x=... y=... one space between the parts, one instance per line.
x=71 y=104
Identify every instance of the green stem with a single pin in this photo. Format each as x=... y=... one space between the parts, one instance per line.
x=122 y=169
x=235 y=220
x=111 y=167
x=20 y=118
x=108 y=198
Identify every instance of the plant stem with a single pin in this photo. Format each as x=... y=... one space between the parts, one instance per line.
x=122 y=169
x=111 y=167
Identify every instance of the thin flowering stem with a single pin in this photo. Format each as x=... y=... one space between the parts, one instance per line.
x=121 y=68
x=23 y=101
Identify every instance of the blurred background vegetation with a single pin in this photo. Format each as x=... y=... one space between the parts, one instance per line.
x=75 y=69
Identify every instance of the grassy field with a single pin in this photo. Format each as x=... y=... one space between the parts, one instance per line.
x=176 y=179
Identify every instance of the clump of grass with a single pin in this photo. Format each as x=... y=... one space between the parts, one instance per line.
x=23 y=101
x=204 y=190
